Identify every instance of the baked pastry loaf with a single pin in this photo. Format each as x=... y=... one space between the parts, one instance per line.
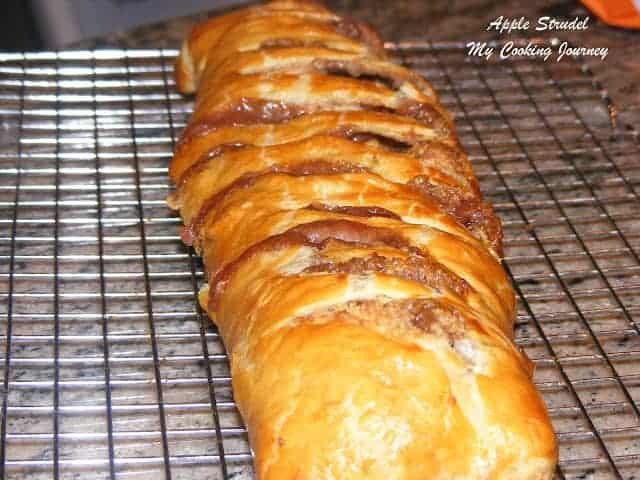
x=352 y=265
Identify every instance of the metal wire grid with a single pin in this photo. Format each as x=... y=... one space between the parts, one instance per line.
x=110 y=369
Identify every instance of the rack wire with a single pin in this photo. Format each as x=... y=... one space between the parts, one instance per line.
x=108 y=367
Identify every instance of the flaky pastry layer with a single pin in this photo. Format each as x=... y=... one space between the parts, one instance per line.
x=352 y=265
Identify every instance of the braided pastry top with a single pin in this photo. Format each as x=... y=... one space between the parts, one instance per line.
x=352 y=265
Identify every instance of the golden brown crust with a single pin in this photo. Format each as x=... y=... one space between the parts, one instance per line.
x=404 y=130
x=353 y=267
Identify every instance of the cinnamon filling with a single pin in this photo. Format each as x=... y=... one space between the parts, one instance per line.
x=446 y=158
x=419 y=266
x=429 y=316
x=349 y=27
x=471 y=212
x=311 y=168
x=406 y=320
x=476 y=215
x=359 y=30
x=426 y=114
x=290 y=43
x=355 y=211
x=432 y=316
x=359 y=70
x=251 y=111
x=356 y=135
x=246 y=112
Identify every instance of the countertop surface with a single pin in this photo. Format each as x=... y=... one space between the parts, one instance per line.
x=456 y=20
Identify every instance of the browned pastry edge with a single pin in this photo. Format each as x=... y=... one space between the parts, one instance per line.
x=352 y=263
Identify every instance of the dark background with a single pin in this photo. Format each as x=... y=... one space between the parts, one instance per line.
x=18 y=30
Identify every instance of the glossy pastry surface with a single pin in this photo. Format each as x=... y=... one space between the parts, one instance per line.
x=353 y=268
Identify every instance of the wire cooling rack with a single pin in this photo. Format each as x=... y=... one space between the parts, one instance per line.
x=108 y=368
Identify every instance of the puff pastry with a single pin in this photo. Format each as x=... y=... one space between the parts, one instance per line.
x=353 y=268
